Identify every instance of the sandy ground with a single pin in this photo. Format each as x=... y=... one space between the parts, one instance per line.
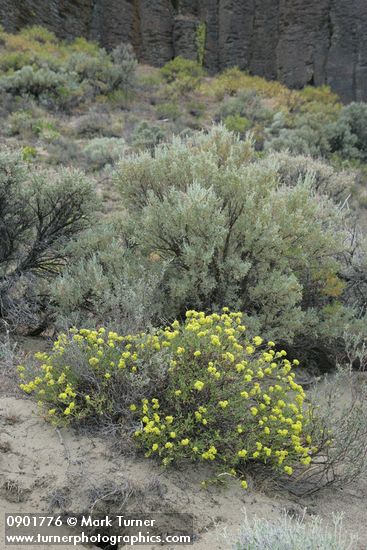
x=43 y=469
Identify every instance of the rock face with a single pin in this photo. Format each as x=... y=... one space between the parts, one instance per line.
x=314 y=42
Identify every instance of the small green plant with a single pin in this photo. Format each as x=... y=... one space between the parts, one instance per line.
x=237 y=123
x=29 y=153
x=200 y=391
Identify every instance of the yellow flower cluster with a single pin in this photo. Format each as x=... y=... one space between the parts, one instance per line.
x=217 y=371
x=226 y=398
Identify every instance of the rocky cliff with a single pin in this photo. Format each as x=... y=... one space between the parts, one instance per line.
x=296 y=41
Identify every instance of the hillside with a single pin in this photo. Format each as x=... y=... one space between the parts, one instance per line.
x=183 y=295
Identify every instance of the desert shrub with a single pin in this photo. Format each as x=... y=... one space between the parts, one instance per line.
x=147 y=136
x=39 y=212
x=32 y=123
x=179 y=68
x=196 y=108
x=233 y=80
x=319 y=100
x=200 y=390
x=82 y=390
x=63 y=150
x=232 y=233
x=289 y=533
x=338 y=431
x=321 y=94
x=303 y=134
x=20 y=123
x=170 y=110
x=124 y=58
x=9 y=354
x=249 y=105
x=214 y=407
x=237 y=123
x=58 y=74
x=45 y=85
x=182 y=75
x=321 y=132
x=348 y=135
x=100 y=151
x=108 y=282
x=95 y=124
x=326 y=180
x=29 y=153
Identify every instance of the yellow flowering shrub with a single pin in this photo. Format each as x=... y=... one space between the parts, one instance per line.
x=94 y=374
x=198 y=390
x=228 y=399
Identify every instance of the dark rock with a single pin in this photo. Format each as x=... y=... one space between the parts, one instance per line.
x=184 y=36
x=315 y=42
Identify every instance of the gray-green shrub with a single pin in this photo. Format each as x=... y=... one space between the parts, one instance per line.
x=304 y=134
x=60 y=75
x=108 y=282
x=289 y=533
x=232 y=233
x=348 y=135
x=147 y=136
x=247 y=104
x=100 y=151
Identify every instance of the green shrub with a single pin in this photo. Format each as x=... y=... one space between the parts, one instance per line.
x=237 y=123
x=182 y=75
x=247 y=104
x=57 y=74
x=96 y=124
x=100 y=151
x=170 y=110
x=232 y=233
x=45 y=85
x=29 y=153
x=180 y=68
x=319 y=98
x=304 y=134
x=338 y=407
x=124 y=58
x=348 y=135
x=108 y=282
x=20 y=123
x=63 y=150
x=40 y=212
x=200 y=391
x=232 y=81
x=147 y=136
x=326 y=180
x=220 y=402
x=320 y=132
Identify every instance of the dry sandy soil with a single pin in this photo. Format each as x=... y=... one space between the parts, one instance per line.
x=43 y=469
